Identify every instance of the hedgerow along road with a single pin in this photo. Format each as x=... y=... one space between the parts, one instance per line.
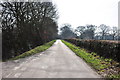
x=56 y=62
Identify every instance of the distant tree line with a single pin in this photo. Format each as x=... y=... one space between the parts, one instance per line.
x=67 y=32
x=26 y=25
x=102 y=32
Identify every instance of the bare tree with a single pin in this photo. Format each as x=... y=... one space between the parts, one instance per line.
x=114 y=32
x=86 y=32
x=104 y=30
x=21 y=20
x=79 y=30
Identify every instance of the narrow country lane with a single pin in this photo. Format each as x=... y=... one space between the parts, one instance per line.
x=56 y=62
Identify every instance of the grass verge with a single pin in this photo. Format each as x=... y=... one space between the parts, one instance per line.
x=35 y=50
x=105 y=67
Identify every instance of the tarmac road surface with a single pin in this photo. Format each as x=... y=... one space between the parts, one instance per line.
x=56 y=62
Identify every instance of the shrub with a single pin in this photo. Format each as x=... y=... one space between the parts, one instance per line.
x=104 y=48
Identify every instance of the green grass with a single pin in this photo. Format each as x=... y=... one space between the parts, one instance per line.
x=97 y=62
x=35 y=50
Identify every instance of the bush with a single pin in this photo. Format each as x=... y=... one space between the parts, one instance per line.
x=34 y=51
x=104 y=48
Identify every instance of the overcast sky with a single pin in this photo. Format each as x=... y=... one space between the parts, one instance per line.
x=82 y=12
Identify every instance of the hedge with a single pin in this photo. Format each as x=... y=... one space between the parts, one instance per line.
x=104 y=48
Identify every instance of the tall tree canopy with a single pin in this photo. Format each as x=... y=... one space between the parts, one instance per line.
x=26 y=25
